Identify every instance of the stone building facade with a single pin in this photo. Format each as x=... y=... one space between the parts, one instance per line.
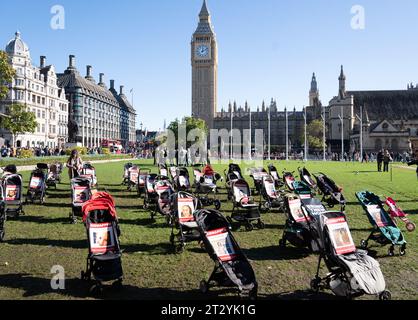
x=36 y=88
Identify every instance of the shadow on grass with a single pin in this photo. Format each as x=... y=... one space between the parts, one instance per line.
x=154 y=249
x=76 y=288
x=276 y=253
x=43 y=220
x=74 y=244
x=301 y=295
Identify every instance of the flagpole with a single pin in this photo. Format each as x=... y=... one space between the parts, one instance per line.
x=269 y=134
x=287 y=135
x=250 y=137
x=306 y=136
x=324 y=134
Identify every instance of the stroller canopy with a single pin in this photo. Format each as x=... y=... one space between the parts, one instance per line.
x=100 y=201
x=209 y=220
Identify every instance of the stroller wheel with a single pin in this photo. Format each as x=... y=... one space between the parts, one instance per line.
x=217 y=204
x=249 y=227
x=96 y=289
x=364 y=244
x=179 y=248
x=410 y=227
x=261 y=225
x=385 y=295
x=315 y=284
x=2 y=233
x=204 y=287
x=391 y=251
x=118 y=285
x=402 y=250
x=172 y=238
x=282 y=243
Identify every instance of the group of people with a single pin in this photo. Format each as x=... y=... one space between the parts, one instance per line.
x=383 y=157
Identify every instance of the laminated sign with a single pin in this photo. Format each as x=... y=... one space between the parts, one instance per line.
x=186 y=209
x=80 y=194
x=340 y=236
x=101 y=238
x=35 y=182
x=296 y=210
x=378 y=216
x=12 y=193
x=222 y=244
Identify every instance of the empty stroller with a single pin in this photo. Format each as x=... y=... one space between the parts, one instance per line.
x=12 y=191
x=232 y=268
x=245 y=211
x=397 y=213
x=270 y=198
x=182 y=180
x=332 y=194
x=54 y=175
x=257 y=174
x=184 y=205
x=133 y=178
x=150 y=196
x=278 y=181
x=206 y=187
x=300 y=228
x=233 y=174
x=306 y=177
x=126 y=173
x=352 y=273
x=104 y=262
x=37 y=184
x=80 y=194
x=164 y=191
x=142 y=182
x=89 y=172
x=385 y=231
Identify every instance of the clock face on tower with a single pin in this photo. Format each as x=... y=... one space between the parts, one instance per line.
x=202 y=51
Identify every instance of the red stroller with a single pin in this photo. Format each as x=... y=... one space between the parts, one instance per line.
x=397 y=213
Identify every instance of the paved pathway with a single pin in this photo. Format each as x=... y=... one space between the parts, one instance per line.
x=406 y=167
x=32 y=167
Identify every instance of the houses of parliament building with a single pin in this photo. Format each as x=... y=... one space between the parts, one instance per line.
x=389 y=118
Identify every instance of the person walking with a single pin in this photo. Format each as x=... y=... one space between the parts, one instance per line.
x=379 y=159
x=74 y=165
x=387 y=158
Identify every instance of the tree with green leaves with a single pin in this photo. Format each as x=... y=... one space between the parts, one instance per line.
x=315 y=133
x=7 y=74
x=191 y=124
x=20 y=121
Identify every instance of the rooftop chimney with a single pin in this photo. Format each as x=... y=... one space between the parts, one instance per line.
x=71 y=64
x=101 y=77
x=121 y=90
x=88 y=73
x=43 y=61
x=112 y=84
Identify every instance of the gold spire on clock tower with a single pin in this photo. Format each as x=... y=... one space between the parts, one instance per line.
x=204 y=56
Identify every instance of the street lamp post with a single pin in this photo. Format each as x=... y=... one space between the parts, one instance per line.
x=250 y=155
x=232 y=146
x=324 y=138
x=341 y=117
x=360 y=118
x=306 y=135
x=287 y=134
x=269 y=119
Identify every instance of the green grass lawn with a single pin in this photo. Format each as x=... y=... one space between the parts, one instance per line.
x=44 y=238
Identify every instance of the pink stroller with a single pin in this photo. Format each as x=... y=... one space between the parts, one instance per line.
x=397 y=213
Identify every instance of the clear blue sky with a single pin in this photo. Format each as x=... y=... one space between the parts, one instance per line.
x=267 y=48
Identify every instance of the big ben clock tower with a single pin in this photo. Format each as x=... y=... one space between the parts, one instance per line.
x=204 y=69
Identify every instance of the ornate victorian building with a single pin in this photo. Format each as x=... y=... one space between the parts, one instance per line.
x=37 y=89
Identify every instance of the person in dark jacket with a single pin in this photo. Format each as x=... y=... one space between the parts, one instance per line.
x=380 y=156
x=387 y=158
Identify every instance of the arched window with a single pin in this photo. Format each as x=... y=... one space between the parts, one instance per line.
x=385 y=127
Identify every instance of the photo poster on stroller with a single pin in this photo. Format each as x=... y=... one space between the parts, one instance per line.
x=315 y=209
x=241 y=192
x=270 y=189
x=378 y=216
x=340 y=236
x=35 y=183
x=12 y=193
x=101 y=238
x=142 y=178
x=173 y=171
x=89 y=172
x=80 y=194
x=133 y=176
x=186 y=209
x=222 y=244
x=295 y=207
x=183 y=181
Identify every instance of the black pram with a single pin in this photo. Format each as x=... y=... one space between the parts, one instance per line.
x=232 y=268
